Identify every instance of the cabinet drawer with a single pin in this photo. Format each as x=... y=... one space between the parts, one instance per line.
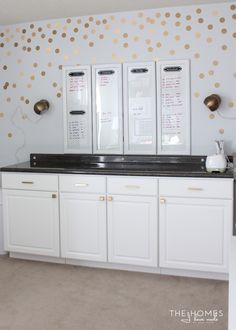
x=132 y=186
x=82 y=183
x=209 y=188
x=26 y=181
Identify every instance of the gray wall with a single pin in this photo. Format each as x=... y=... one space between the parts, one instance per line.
x=31 y=56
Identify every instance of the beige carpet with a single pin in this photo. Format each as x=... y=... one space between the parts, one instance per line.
x=41 y=296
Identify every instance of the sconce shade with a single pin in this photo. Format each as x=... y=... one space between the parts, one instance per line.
x=212 y=102
x=41 y=106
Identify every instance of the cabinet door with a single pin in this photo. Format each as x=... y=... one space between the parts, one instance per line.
x=83 y=226
x=132 y=230
x=31 y=222
x=195 y=233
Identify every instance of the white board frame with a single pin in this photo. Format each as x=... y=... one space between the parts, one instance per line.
x=65 y=71
x=142 y=150
x=176 y=150
x=120 y=149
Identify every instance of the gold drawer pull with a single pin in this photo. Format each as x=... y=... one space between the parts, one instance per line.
x=132 y=186
x=195 y=189
x=81 y=185
x=110 y=198
x=54 y=195
x=102 y=198
x=162 y=200
x=27 y=182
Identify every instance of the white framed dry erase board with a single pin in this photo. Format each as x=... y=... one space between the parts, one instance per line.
x=139 y=108
x=107 y=109
x=77 y=109
x=173 y=107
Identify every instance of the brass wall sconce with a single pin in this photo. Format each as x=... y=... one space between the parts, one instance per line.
x=41 y=106
x=212 y=102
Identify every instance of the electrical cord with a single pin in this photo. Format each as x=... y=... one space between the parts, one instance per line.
x=18 y=108
x=224 y=117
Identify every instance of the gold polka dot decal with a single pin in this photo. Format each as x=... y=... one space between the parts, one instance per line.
x=1 y=114
x=215 y=13
x=9 y=135
x=231 y=104
x=209 y=40
x=221 y=130
x=212 y=116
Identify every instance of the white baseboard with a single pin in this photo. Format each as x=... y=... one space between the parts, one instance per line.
x=108 y=265
x=195 y=274
x=33 y=257
x=131 y=268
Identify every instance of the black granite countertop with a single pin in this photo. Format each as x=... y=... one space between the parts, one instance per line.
x=175 y=166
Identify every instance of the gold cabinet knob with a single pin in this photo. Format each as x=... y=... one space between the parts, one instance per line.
x=110 y=198
x=54 y=195
x=102 y=198
x=162 y=200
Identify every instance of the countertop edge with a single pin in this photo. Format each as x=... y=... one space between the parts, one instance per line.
x=229 y=175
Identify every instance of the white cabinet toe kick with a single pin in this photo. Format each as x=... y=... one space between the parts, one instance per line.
x=173 y=226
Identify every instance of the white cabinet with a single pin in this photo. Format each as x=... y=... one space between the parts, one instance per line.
x=194 y=231
x=31 y=222
x=1 y=225
x=83 y=226
x=132 y=230
x=83 y=217
x=132 y=220
x=30 y=213
x=93 y=222
x=114 y=219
